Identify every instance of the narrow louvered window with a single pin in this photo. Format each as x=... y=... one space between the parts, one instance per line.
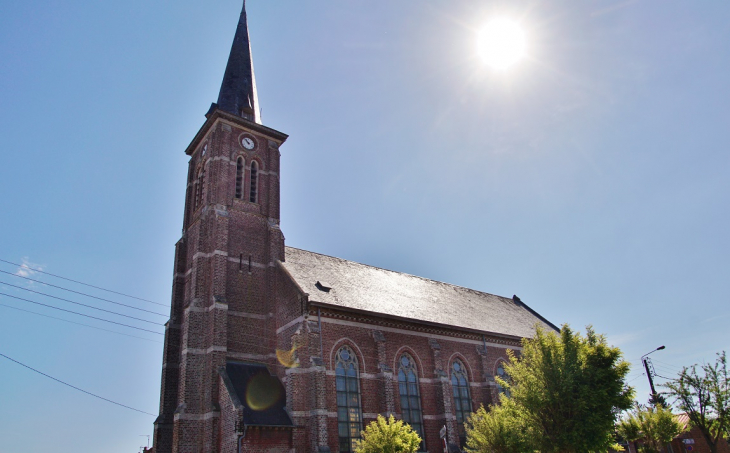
x=199 y=189
x=349 y=418
x=410 y=397
x=254 y=178
x=202 y=186
x=462 y=398
x=239 y=177
x=195 y=196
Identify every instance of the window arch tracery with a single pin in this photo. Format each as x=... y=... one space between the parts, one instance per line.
x=410 y=396
x=502 y=373
x=349 y=416
x=462 y=396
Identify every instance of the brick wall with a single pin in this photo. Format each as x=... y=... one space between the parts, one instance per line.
x=232 y=300
x=700 y=444
x=223 y=285
x=378 y=344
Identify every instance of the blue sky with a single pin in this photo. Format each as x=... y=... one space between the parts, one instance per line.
x=590 y=179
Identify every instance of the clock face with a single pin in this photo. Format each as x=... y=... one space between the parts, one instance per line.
x=248 y=143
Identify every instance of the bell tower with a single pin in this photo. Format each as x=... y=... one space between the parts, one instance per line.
x=224 y=270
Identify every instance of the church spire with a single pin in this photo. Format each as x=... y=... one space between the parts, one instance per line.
x=238 y=90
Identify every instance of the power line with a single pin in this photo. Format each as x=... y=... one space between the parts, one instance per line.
x=635 y=378
x=77 y=292
x=80 y=314
x=25 y=266
x=665 y=370
x=669 y=365
x=78 y=323
x=73 y=387
x=83 y=305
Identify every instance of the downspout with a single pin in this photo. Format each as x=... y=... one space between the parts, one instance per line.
x=319 y=324
x=240 y=438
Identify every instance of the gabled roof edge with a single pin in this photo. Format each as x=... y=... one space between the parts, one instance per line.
x=536 y=314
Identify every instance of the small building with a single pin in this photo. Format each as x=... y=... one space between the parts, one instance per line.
x=690 y=441
x=693 y=441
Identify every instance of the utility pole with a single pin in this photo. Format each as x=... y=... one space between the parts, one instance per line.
x=645 y=361
x=648 y=373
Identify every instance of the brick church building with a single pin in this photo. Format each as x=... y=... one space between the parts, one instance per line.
x=273 y=348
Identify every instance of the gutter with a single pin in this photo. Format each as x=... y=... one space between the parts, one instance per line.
x=450 y=327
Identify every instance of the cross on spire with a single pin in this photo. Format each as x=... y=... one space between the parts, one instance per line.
x=238 y=90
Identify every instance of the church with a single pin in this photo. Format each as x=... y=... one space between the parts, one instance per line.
x=271 y=348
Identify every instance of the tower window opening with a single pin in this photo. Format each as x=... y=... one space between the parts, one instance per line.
x=194 y=197
x=199 y=189
x=254 y=179
x=239 y=178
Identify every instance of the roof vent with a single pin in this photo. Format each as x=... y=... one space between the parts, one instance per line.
x=323 y=286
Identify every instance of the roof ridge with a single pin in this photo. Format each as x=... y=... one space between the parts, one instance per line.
x=402 y=273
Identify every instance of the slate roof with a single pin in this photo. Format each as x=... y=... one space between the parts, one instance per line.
x=261 y=395
x=366 y=288
x=238 y=90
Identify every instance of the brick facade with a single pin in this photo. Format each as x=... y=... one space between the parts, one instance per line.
x=233 y=300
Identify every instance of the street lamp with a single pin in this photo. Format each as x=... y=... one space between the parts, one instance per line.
x=644 y=360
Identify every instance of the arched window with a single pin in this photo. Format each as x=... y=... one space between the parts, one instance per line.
x=196 y=197
x=191 y=172
x=254 y=177
x=202 y=186
x=462 y=398
x=239 y=177
x=410 y=397
x=501 y=373
x=199 y=188
x=349 y=418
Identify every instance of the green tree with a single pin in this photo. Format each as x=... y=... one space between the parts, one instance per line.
x=655 y=425
x=705 y=397
x=629 y=429
x=388 y=436
x=499 y=430
x=565 y=390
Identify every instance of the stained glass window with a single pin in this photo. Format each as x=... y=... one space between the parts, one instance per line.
x=505 y=377
x=410 y=397
x=349 y=417
x=462 y=398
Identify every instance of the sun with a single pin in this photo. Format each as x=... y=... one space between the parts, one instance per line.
x=501 y=43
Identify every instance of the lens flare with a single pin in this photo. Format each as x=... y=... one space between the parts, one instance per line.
x=288 y=358
x=262 y=392
x=501 y=43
